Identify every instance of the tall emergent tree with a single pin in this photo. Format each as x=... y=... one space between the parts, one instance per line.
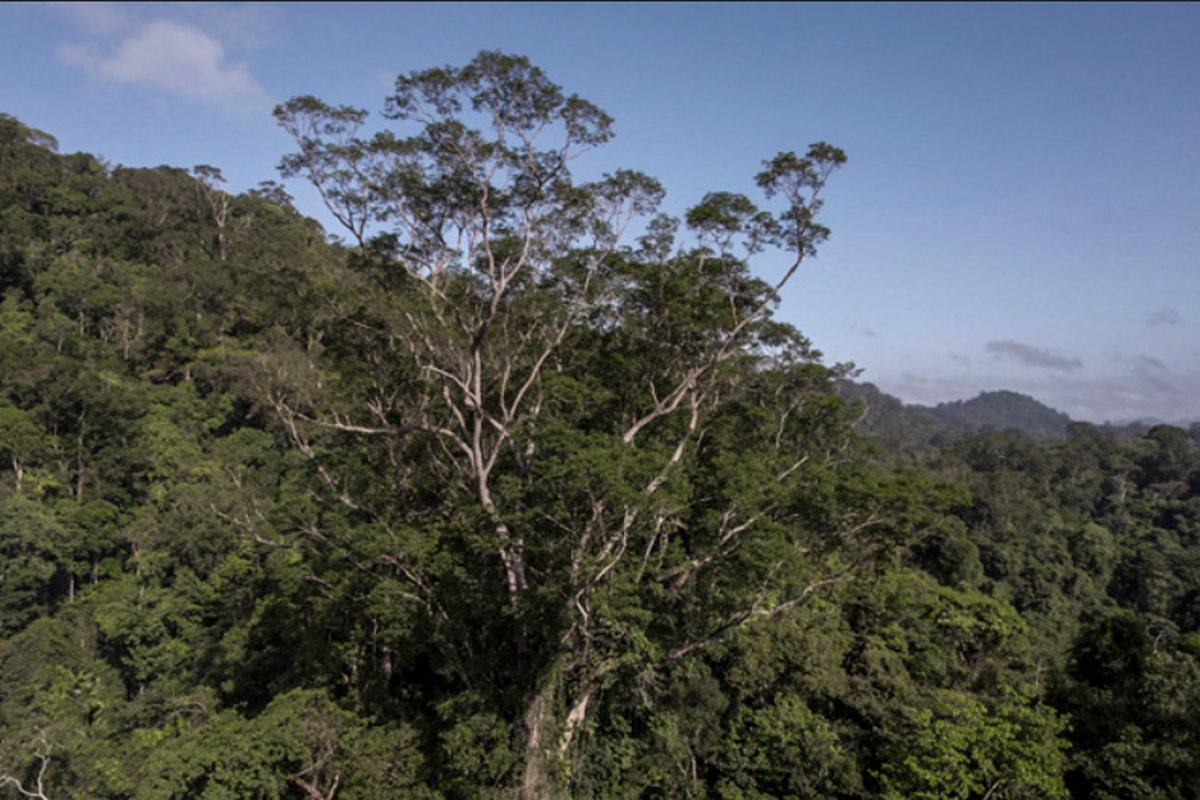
x=569 y=463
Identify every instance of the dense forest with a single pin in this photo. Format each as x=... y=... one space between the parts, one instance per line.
x=484 y=500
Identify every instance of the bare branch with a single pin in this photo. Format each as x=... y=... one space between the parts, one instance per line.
x=741 y=618
x=43 y=755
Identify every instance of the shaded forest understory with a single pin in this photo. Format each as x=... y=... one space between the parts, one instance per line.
x=498 y=505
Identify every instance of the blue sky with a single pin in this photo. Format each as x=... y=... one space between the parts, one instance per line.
x=1021 y=208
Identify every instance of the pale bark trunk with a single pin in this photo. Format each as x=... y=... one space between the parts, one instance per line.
x=548 y=738
x=536 y=782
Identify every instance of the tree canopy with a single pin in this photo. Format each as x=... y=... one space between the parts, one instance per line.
x=522 y=490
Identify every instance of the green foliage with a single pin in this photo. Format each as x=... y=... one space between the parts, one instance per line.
x=493 y=504
x=32 y=544
x=960 y=748
x=301 y=745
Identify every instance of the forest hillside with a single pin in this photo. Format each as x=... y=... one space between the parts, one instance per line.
x=486 y=500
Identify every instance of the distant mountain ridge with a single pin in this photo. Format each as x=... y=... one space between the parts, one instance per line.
x=1004 y=410
x=888 y=417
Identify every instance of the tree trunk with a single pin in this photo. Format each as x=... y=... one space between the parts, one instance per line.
x=547 y=737
x=537 y=782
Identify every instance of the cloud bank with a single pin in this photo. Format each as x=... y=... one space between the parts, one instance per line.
x=1135 y=387
x=1032 y=356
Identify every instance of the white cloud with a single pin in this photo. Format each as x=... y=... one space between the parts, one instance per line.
x=176 y=58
